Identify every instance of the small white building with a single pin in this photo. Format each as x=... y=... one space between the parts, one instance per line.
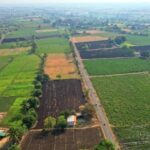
x=72 y=120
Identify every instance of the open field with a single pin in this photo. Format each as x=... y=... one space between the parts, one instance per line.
x=83 y=39
x=16 y=81
x=116 y=66
x=93 y=32
x=138 y=40
x=53 y=45
x=59 y=95
x=45 y=30
x=62 y=65
x=104 y=53
x=71 y=139
x=13 y=51
x=126 y=102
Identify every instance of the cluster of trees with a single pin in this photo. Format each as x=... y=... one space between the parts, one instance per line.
x=28 y=109
x=105 y=145
x=120 y=39
x=52 y=123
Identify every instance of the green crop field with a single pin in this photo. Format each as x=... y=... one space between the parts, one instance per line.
x=16 y=80
x=53 y=45
x=126 y=100
x=138 y=40
x=116 y=66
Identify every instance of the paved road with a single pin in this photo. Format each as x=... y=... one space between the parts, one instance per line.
x=104 y=123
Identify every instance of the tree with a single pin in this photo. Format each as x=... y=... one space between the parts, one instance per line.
x=105 y=145
x=37 y=92
x=49 y=123
x=33 y=48
x=65 y=113
x=33 y=102
x=38 y=85
x=29 y=120
x=61 y=122
x=145 y=54
x=25 y=107
x=88 y=111
x=15 y=133
x=120 y=39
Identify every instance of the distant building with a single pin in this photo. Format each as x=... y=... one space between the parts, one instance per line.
x=72 y=120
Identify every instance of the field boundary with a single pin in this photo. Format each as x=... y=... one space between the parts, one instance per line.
x=120 y=74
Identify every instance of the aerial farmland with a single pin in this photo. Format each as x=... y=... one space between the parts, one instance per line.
x=74 y=78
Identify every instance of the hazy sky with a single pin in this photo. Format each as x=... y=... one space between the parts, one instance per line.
x=73 y=1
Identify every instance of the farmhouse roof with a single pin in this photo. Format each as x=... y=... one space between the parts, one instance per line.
x=72 y=118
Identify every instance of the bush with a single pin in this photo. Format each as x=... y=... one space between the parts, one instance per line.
x=49 y=123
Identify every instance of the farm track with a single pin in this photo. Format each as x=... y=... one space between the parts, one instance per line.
x=104 y=123
x=123 y=74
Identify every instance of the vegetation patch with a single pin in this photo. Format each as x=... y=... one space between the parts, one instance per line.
x=53 y=45
x=116 y=66
x=126 y=102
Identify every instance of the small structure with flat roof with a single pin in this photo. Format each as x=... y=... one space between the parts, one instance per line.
x=72 y=120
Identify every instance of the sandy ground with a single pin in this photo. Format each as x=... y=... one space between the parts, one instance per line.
x=13 y=51
x=87 y=39
x=60 y=64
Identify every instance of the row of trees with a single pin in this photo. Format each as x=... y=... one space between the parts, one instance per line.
x=28 y=109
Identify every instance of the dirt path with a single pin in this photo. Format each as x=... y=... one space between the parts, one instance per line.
x=123 y=74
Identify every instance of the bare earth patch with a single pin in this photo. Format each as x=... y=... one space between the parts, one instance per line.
x=60 y=65
x=45 y=30
x=87 y=39
x=13 y=51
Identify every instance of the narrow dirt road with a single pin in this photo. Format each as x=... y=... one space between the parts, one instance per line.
x=104 y=123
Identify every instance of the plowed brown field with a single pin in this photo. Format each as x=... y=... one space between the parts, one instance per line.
x=62 y=65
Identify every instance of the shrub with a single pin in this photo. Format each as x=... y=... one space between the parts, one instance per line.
x=49 y=123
